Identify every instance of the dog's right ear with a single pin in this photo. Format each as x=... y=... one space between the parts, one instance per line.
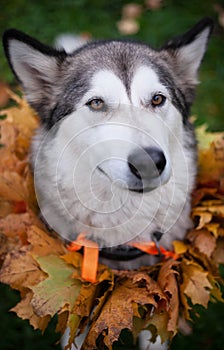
x=188 y=50
x=35 y=65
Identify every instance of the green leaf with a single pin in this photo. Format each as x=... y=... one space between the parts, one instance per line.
x=58 y=289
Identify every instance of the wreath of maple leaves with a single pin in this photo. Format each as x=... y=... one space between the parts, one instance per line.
x=49 y=277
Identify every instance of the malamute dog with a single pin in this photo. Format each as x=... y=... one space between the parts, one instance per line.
x=115 y=154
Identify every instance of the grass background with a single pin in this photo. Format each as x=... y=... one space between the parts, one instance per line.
x=45 y=20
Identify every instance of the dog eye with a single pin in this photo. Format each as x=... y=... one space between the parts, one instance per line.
x=95 y=104
x=158 y=100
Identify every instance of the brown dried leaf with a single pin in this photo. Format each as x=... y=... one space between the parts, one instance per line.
x=4 y=95
x=167 y=281
x=24 y=120
x=20 y=270
x=15 y=224
x=128 y=26
x=131 y=10
x=195 y=285
x=203 y=240
x=118 y=312
x=154 y=4
x=158 y=326
x=25 y=311
x=204 y=216
x=11 y=186
x=43 y=244
x=211 y=158
x=218 y=254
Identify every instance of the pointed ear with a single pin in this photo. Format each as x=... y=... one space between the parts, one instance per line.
x=188 y=50
x=35 y=65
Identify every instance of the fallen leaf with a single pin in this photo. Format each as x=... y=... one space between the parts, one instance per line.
x=158 y=326
x=218 y=254
x=131 y=10
x=42 y=243
x=195 y=285
x=204 y=217
x=11 y=186
x=20 y=270
x=203 y=240
x=154 y=4
x=179 y=247
x=128 y=26
x=211 y=158
x=117 y=313
x=25 y=311
x=57 y=290
x=4 y=95
x=168 y=282
x=15 y=224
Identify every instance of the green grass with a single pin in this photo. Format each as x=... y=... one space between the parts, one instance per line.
x=17 y=334
x=45 y=20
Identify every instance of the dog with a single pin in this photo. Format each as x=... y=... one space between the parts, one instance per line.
x=115 y=155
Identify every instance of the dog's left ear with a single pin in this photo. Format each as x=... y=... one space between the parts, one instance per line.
x=188 y=50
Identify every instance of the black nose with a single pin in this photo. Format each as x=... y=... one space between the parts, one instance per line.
x=157 y=157
x=147 y=163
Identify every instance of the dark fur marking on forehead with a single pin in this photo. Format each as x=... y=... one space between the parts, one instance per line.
x=178 y=97
x=124 y=57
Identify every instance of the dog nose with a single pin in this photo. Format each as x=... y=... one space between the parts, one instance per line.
x=147 y=163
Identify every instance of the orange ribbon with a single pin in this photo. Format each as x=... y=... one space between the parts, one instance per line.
x=152 y=249
x=91 y=254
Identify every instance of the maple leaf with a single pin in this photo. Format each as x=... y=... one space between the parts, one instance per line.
x=25 y=311
x=14 y=224
x=24 y=121
x=20 y=270
x=211 y=158
x=57 y=290
x=195 y=286
x=118 y=311
x=167 y=281
x=42 y=243
x=203 y=240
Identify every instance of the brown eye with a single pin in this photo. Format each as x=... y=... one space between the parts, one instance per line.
x=96 y=104
x=158 y=100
